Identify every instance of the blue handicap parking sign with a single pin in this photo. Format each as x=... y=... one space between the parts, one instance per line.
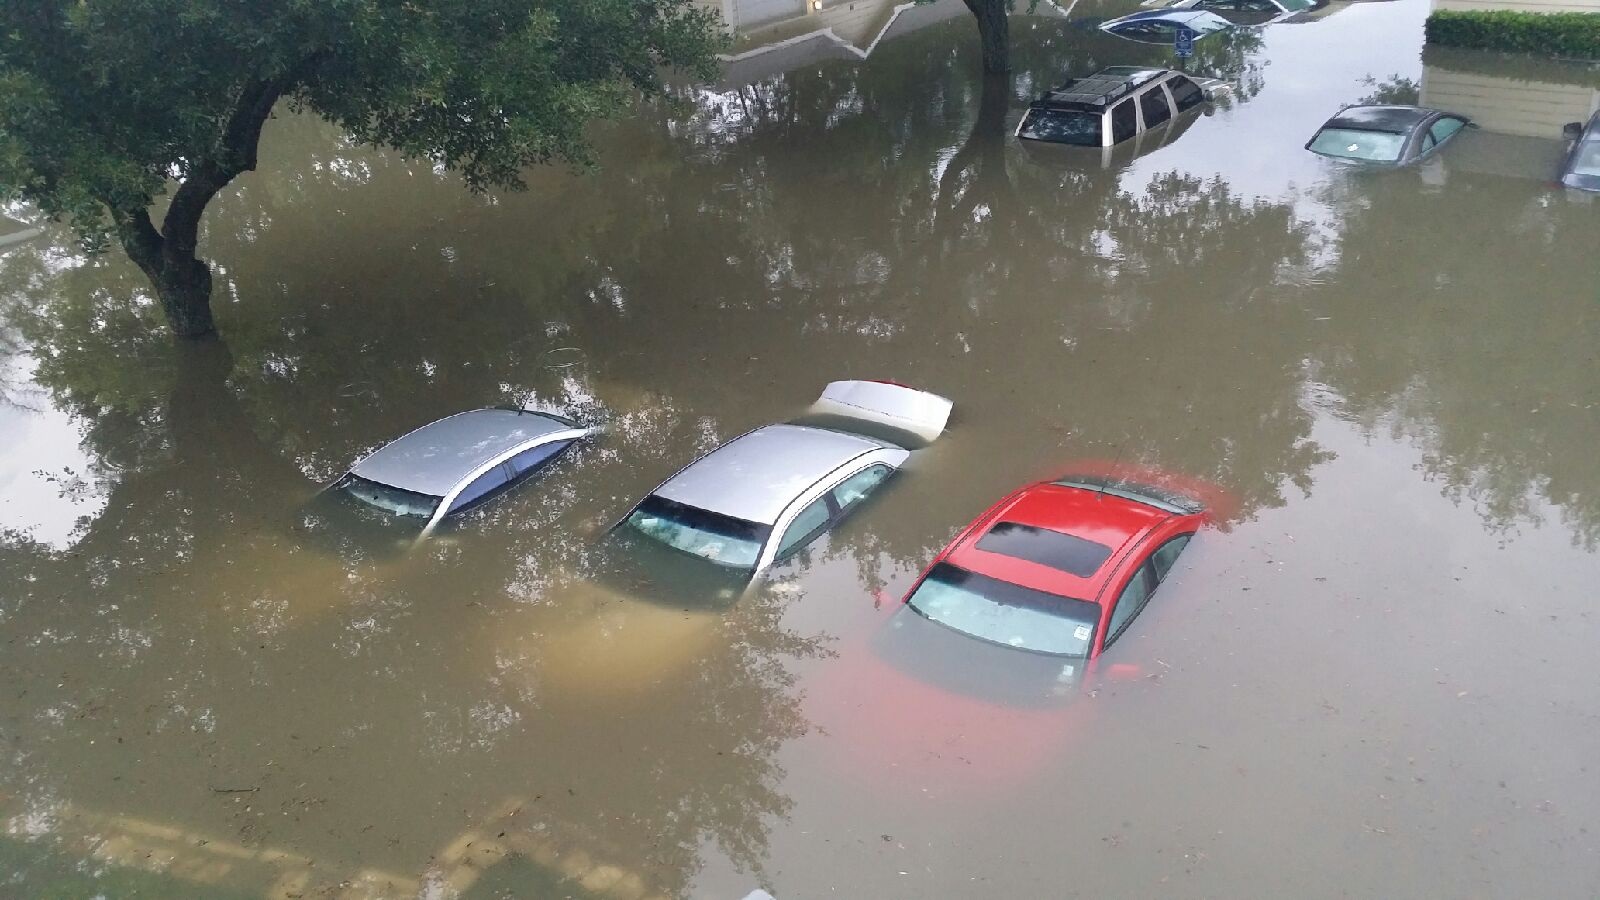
x=1183 y=42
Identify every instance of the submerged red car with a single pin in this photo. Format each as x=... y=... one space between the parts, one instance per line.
x=969 y=684
x=1059 y=567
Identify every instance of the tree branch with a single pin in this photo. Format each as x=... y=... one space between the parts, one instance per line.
x=235 y=155
x=139 y=237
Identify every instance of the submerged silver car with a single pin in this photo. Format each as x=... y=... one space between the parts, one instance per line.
x=1385 y=135
x=763 y=496
x=1581 y=169
x=451 y=465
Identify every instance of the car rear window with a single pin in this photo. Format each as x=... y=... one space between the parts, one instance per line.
x=1062 y=126
x=1004 y=613
x=1060 y=551
x=1352 y=143
x=388 y=498
x=709 y=535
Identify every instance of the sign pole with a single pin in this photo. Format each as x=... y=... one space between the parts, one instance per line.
x=1183 y=45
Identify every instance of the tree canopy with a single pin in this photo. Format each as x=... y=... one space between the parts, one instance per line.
x=105 y=105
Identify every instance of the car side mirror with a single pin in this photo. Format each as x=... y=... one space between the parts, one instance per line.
x=1572 y=130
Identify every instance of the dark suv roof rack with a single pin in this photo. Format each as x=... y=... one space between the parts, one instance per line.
x=1101 y=88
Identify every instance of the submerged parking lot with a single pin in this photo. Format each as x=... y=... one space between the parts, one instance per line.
x=1372 y=678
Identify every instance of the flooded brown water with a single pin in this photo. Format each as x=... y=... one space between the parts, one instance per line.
x=1375 y=678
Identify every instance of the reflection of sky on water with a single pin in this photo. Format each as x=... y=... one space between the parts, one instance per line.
x=1362 y=43
x=47 y=480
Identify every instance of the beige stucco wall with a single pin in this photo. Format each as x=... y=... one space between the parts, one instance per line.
x=1509 y=105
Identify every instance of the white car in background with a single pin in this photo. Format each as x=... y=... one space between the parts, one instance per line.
x=1241 y=12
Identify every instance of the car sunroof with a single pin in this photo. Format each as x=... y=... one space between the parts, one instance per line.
x=1063 y=552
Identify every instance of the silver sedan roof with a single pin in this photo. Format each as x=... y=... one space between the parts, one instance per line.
x=436 y=457
x=754 y=477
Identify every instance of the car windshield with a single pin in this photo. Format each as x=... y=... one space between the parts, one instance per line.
x=1062 y=127
x=721 y=539
x=1351 y=143
x=1150 y=32
x=1587 y=160
x=389 y=499
x=1005 y=613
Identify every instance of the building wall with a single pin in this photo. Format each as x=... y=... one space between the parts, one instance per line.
x=743 y=14
x=1509 y=105
x=842 y=30
x=756 y=22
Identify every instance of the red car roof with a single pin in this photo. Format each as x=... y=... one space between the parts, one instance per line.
x=1090 y=515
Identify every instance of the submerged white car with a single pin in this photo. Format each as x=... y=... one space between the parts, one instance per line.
x=760 y=498
x=1241 y=12
x=419 y=480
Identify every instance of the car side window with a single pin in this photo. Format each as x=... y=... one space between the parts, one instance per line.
x=806 y=527
x=855 y=489
x=1131 y=600
x=1124 y=121
x=1185 y=93
x=534 y=457
x=1153 y=103
x=1443 y=129
x=480 y=486
x=1163 y=558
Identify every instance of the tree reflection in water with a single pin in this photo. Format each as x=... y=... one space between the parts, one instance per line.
x=1482 y=354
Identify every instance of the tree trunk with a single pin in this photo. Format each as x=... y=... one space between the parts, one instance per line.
x=994 y=33
x=168 y=257
x=993 y=107
x=182 y=282
x=184 y=287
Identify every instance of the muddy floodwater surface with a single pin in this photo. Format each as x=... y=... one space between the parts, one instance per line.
x=1373 y=677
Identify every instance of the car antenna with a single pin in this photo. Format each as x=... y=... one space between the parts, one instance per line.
x=1101 y=489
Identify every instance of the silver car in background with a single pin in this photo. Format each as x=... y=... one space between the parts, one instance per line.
x=763 y=496
x=1385 y=136
x=1581 y=168
x=449 y=466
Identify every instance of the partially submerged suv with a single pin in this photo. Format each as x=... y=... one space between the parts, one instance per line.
x=1112 y=106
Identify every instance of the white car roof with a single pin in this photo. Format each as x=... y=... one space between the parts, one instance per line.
x=436 y=457
x=754 y=477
